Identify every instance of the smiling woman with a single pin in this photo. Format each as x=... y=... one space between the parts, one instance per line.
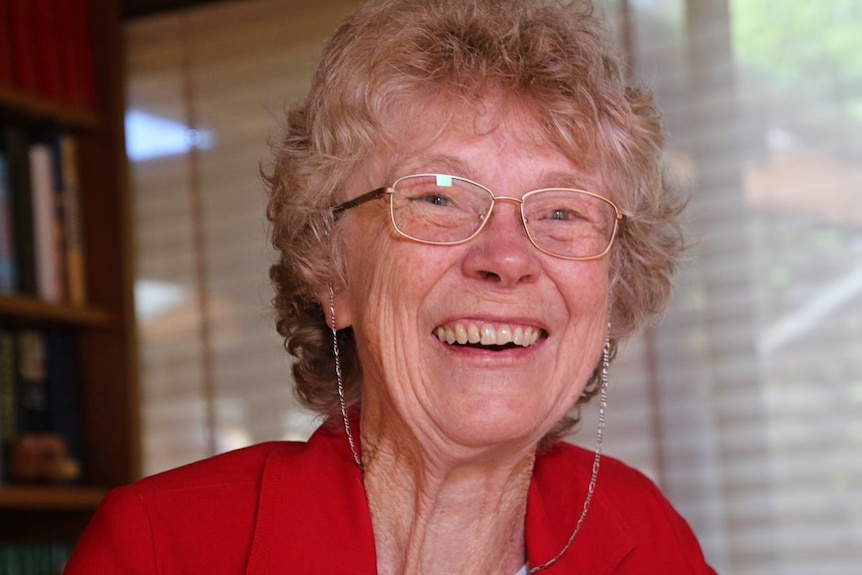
x=449 y=323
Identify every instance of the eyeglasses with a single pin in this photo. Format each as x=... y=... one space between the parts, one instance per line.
x=446 y=210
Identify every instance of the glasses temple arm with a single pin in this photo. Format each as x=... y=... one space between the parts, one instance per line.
x=372 y=195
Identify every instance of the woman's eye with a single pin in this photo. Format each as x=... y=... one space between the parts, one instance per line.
x=563 y=214
x=436 y=199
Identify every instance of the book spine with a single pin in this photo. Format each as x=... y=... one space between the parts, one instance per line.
x=21 y=27
x=8 y=265
x=64 y=388
x=59 y=220
x=17 y=144
x=76 y=282
x=46 y=49
x=5 y=45
x=44 y=218
x=8 y=396
x=32 y=378
x=34 y=558
x=77 y=66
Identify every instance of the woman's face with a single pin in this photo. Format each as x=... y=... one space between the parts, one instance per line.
x=403 y=296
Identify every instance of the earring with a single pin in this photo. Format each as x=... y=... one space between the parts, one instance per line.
x=340 y=380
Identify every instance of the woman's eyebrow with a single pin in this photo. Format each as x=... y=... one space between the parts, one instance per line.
x=573 y=180
x=435 y=163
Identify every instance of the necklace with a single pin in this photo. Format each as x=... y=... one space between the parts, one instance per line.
x=594 y=476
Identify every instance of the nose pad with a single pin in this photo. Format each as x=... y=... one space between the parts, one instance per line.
x=516 y=206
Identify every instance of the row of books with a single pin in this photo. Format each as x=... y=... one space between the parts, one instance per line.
x=46 y=49
x=39 y=404
x=34 y=558
x=41 y=242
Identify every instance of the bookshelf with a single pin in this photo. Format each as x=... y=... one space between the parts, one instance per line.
x=102 y=325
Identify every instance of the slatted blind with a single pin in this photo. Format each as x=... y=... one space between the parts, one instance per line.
x=744 y=403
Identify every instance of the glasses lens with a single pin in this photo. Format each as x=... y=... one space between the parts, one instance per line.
x=569 y=223
x=437 y=208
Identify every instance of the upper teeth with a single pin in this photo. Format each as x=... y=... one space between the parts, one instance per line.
x=487 y=334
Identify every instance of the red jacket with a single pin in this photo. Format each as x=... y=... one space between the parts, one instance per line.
x=300 y=509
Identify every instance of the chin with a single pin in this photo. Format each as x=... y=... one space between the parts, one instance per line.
x=501 y=425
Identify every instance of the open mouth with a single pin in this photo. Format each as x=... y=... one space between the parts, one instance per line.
x=489 y=336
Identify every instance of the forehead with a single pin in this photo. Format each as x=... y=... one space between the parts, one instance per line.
x=415 y=123
x=463 y=138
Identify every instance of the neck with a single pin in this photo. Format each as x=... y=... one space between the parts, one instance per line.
x=450 y=515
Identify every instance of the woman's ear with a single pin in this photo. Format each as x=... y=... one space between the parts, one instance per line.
x=336 y=303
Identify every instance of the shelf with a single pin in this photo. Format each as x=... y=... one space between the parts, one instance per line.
x=103 y=327
x=34 y=309
x=46 y=110
x=55 y=498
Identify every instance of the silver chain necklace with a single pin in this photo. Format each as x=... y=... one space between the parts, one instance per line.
x=340 y=380
x=600 y=436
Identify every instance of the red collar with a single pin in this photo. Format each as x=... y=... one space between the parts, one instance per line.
x=313 y=516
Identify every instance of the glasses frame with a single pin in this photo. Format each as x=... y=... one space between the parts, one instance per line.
x=389 y=191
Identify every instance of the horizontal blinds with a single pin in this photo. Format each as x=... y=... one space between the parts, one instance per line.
x=241 y=62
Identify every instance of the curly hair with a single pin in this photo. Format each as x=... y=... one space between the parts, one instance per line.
x=392 y=53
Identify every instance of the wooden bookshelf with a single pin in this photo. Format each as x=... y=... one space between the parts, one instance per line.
x=104 y=325
x=50 y=498
x=39 y=109
x=29 y=310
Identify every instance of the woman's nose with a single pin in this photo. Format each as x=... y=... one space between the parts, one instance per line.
x=502 y=253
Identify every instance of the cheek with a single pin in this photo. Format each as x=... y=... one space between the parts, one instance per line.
x=585 y=286
x=587 y=298
x=385 y=281
x=387 y=289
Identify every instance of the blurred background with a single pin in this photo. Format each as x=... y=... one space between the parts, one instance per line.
x=744 y=403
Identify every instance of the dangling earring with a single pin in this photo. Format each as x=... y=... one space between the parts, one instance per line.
x=339 y=379
x=600 y=437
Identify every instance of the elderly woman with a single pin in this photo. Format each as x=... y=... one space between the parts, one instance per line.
x=470 y=213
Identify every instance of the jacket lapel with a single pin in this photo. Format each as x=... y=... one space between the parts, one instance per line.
x=313 y=516
x=554 y=505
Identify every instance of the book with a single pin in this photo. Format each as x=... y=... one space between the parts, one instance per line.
x=46 y=49
x=8 y=265
x=73 y=240
x=16 y=146
x=32 y=382
x=20 y=30
x=59 y=217
x=5 y=46
x=8 y=396
x=34 y=557
x=63 y=360
x=77 y=69
x=43 y=186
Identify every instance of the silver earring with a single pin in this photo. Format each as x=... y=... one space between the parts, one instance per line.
x=340 y=380
x=600 y=437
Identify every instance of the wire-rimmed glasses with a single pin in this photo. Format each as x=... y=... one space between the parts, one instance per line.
x=440 y=209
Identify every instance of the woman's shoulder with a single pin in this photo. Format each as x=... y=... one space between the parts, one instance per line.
x=628 y=508
x=233 y=467
x=576 y=464
x=564 y=471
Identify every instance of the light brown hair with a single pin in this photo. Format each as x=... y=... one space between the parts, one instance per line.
x=555 y=58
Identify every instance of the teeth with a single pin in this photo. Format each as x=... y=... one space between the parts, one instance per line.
x=487 y=334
